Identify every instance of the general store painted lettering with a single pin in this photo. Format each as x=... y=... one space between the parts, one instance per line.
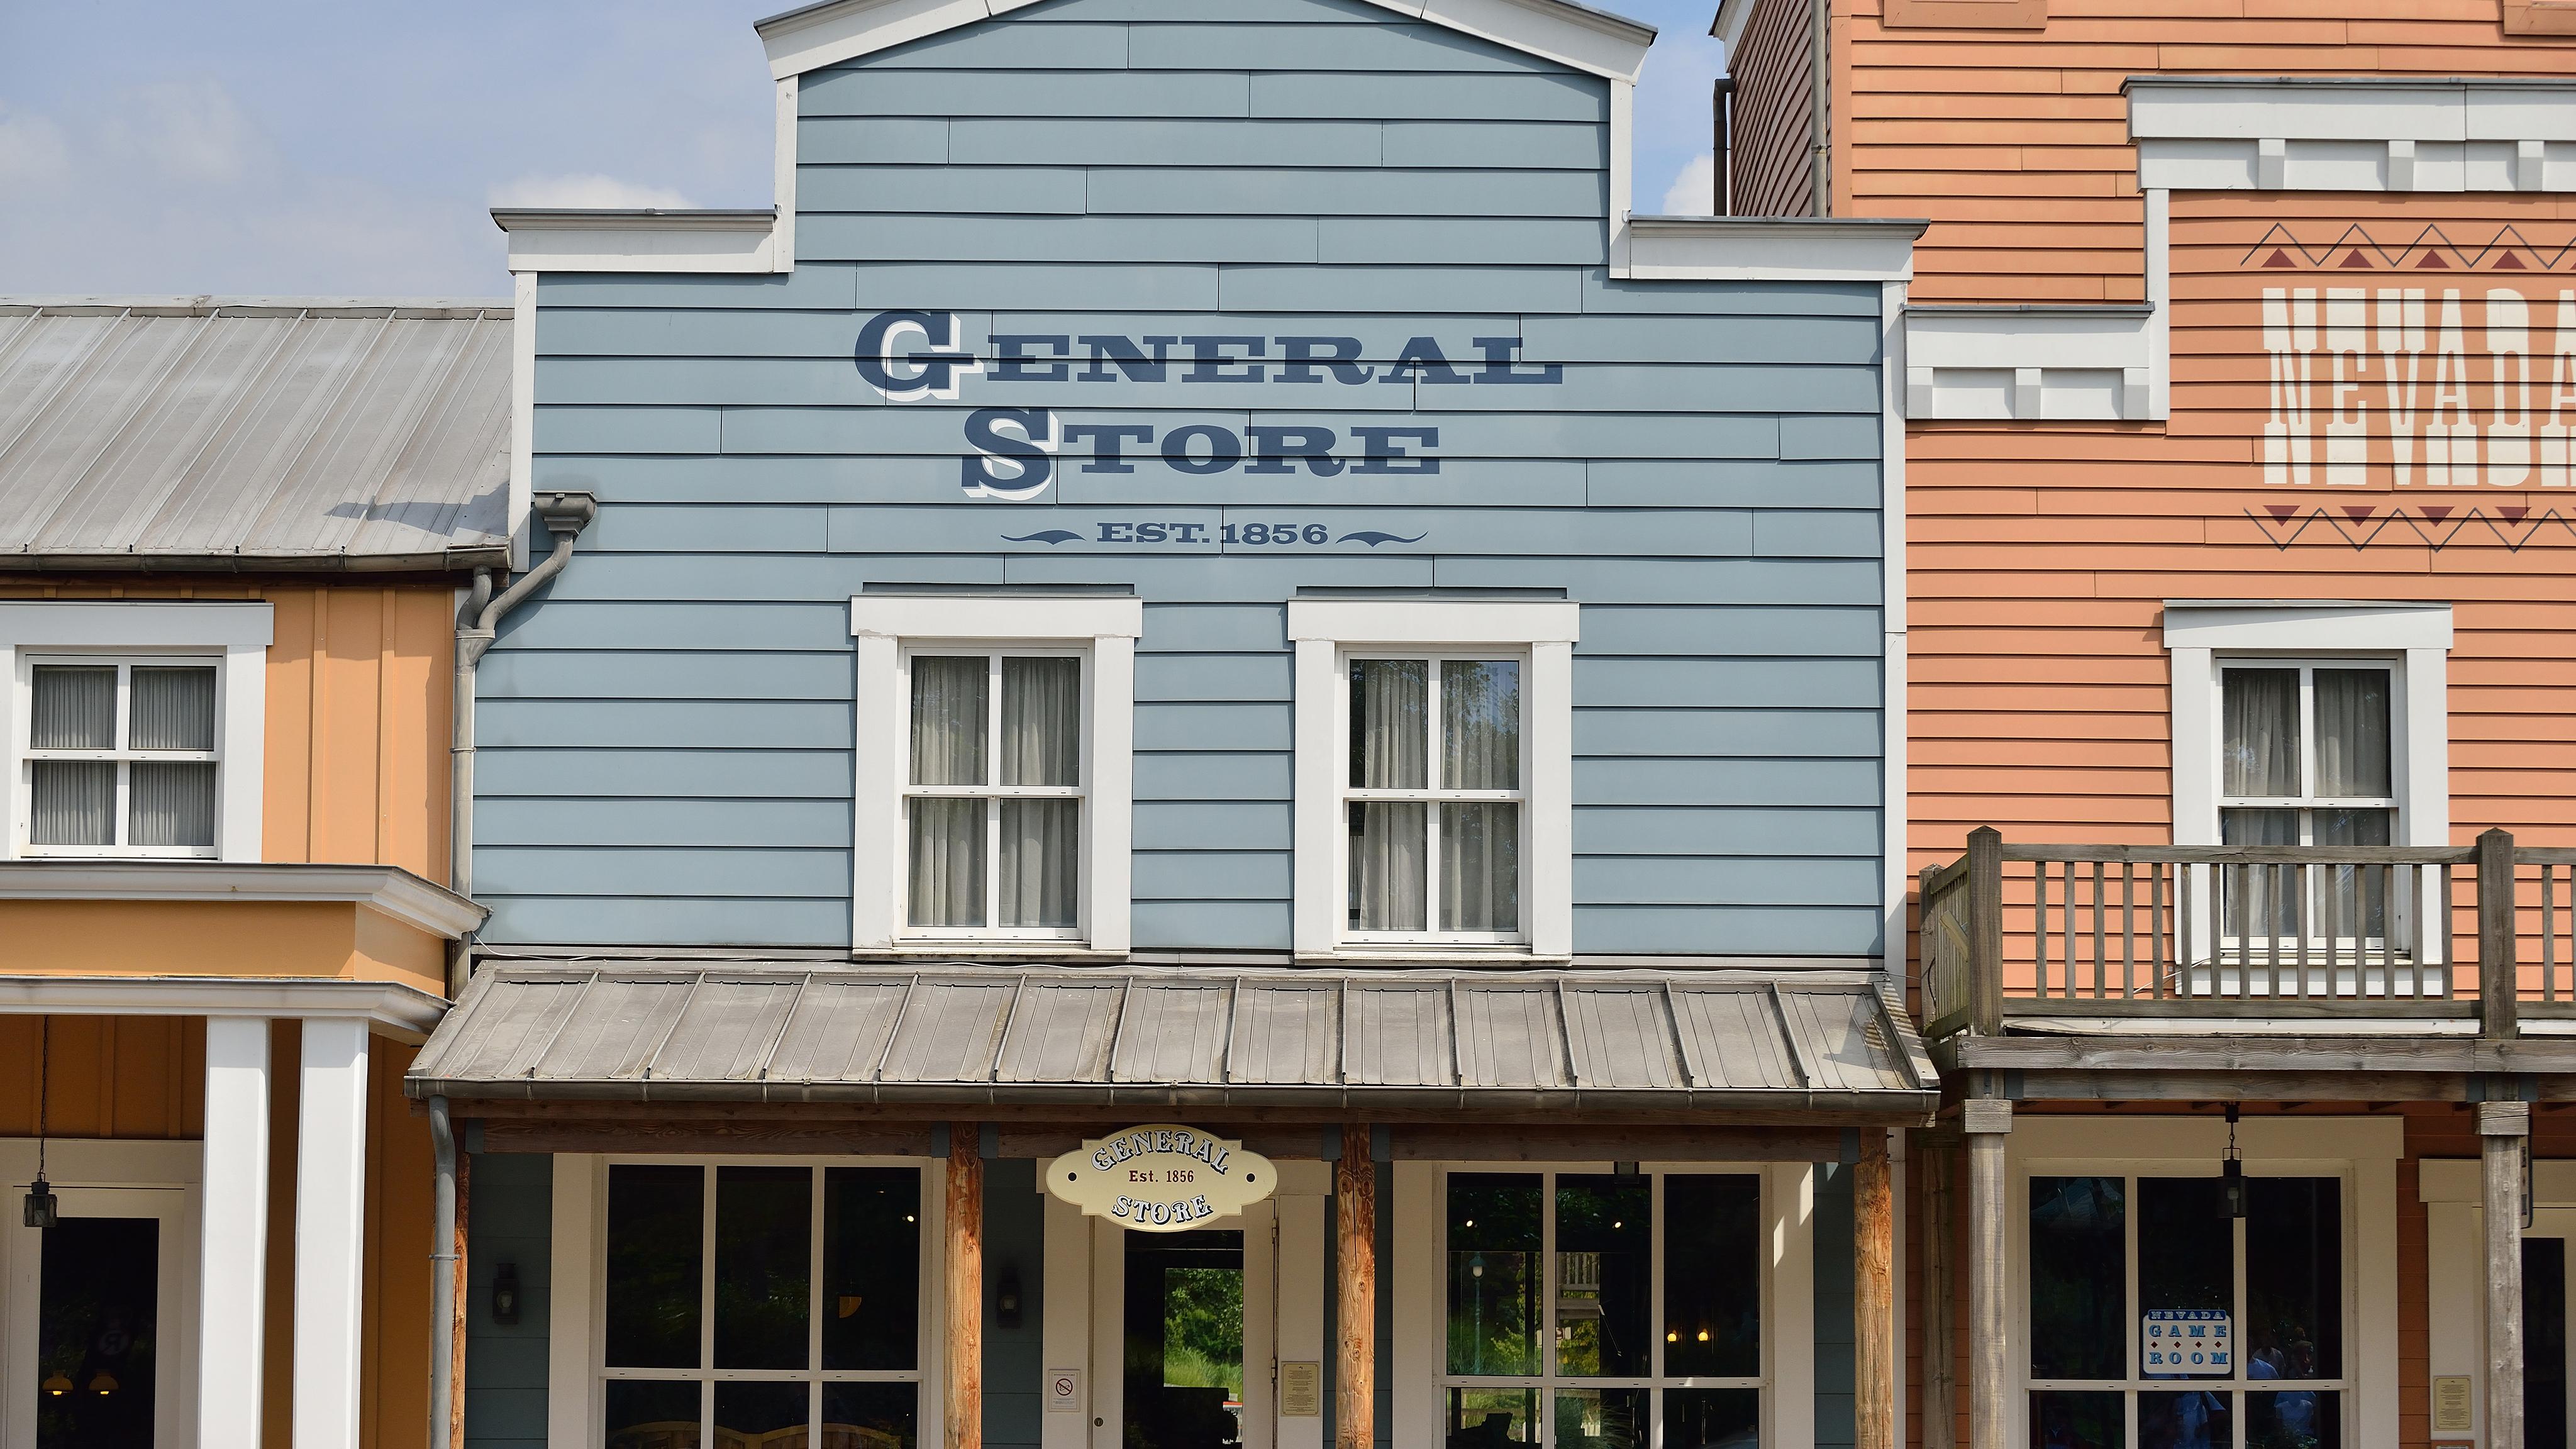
x=2420 y=387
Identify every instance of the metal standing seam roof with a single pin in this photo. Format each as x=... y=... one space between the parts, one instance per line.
x=199 y=432
x=1620 y=1039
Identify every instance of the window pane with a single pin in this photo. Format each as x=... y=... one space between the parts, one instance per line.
x=1480 y=719
x=2294 y=1419
x=1492 y=1418
x=170 y=804
x=652 y=1414
x=1712 y=1277
x=75 y=707
x=2186 y=1248
x=2197 y=1419
x=764 y=1236
x=1041 y=861
x=1604 y=1276
x=1390 y=701
x=1041 y=721
x=1480 y=867
x=174 y=709
x=655 y=1215
x=2063 y=1420
x=870 y=1416
x=746 y=1412
x=1601 y=1419
x=2258 y=900
x=2261 y=752
x=948 y=708
x=2078 y=1278
x=947 y=861
x=74 y=803
x=2293 y=1278
x=1712 y=1418
x=2544 y=1343
x=97 y=1298
x=871 y=1267
x=1388 y=869
x=2352 y=732
x=1493 y=1286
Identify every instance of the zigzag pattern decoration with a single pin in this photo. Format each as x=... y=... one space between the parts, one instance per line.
x=2433 y=525
x=2431 y=250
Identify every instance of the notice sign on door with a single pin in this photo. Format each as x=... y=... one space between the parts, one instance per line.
x=2186 y=1341
x=1161 y=1178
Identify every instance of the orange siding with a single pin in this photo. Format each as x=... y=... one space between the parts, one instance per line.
x=132 y=1077
x=2014 y=143
x=1768 y=165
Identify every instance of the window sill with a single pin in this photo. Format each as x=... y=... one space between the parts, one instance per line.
x=972 y=947
x=1435 y=952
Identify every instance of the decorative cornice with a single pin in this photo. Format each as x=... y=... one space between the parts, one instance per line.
x=388 y=890
x=404 y=1012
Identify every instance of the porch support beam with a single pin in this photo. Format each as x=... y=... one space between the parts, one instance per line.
x=1987 y=1122
x=1874 y=1295
x=1355 y=1223
x=962 y=1419
x=330 y=1231
x=232 y=1291
x=1940 y=1293
x=2504 y=1133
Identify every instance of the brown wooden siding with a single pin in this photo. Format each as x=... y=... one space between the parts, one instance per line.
x=1770 y=173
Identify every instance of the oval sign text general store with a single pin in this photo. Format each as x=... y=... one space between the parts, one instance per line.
x=1161 y=1178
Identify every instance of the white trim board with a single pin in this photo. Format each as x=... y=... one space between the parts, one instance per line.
x=2353 y=133
x=1767 y=249
x=404 y=1013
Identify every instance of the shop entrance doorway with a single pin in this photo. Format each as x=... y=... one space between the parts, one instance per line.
x=98 y=1310
x=1184 y=1340
x=2544 y=1333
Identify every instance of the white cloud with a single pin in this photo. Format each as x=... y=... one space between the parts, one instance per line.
x=189 y=131
x=31 y=148
x=1693 y=193
x=585 y=191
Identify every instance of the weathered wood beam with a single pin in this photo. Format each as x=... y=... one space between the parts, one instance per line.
x=2504 y=1132
x=1987 y=1121
x=1985 y=930
x=1938 y=1165
x=1615 y=1144
x=2224 y=1052
x=1874 y=1366
x=1823 y=1110
x=2499 y=980
x=1355 y=1224
x=963 y=1420
x=2245 y=1086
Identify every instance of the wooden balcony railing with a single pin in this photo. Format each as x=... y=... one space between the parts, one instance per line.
x=2485 y=931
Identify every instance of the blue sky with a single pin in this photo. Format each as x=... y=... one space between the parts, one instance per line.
x=352 y=148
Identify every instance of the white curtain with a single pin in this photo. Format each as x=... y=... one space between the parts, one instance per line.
x=1041 y=862
x=174 y=709
x=1480 y=749
x=170 y=804
x=2261 y=756
x=1480 y=870
x=949 y=695
x=74 y=802
x=75 y=707
x=1390 y=731
x=2352 y=733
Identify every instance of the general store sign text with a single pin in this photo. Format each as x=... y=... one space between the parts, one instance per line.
x=1161 y=1178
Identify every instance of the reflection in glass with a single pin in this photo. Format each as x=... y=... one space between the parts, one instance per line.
x=1480 y=718
x=870 y=1416
x=2352 y=733
x=1712 y=1279
x=1390 y=724
x=1480 y=867
x=2194 y=1419
x=1600 y=1419
x=1492 y=1418
x=1711 y=1418
x=654 y=1251
x=747 y=1413
x=2294 y=1419
x=764 y=1239
x=871 y=1268
x=1493 y=1291
x=1604 y=1248
x=97 y=1302
x=2186 y=1248
x=2060 y=1419
x=2078 y=1278
x=652 y=1413
x=2260 y=756
x=2293 y=1278
x=1389 y=869
x=949 y=699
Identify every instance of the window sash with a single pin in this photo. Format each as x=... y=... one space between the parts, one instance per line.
x=1433 y=794
x=2308 y=798
x=990 y=791
x=121 y=753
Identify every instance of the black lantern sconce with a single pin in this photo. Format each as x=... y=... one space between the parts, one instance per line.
x=42 y=1208
x=1006 y=1297
x=505 y=1293
x=2231 y=1173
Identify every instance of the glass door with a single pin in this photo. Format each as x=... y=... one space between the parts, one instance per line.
x=1182 y=1331
x=98 y=1312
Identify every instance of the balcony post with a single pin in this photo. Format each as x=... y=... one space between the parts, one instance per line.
x=2499 y=983
x=2504 y=1135
x=1985 y=930
x=1987 y=1121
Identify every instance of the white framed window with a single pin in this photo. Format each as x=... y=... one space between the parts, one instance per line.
x=1434 y=776
x=134 y=729
x=994 y=769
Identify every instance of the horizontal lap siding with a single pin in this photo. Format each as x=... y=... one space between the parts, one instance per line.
x=1772 y=113
x=666 y=740
x=2015 y=142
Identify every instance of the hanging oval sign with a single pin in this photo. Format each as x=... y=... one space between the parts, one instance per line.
x=1161 y=1178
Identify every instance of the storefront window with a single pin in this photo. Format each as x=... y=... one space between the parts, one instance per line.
x=2235 y=1333
x=730 y=1318
x=1654 y=1335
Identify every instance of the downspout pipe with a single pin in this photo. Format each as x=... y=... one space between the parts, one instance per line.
x=442 y=1277
x=1820 y=176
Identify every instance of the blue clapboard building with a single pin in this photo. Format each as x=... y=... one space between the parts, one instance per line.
x=1198 y=756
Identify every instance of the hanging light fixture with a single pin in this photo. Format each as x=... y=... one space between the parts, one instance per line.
x=2231 y=1173
x=102 y=1383
x=41 y=1205
x=57 y=1384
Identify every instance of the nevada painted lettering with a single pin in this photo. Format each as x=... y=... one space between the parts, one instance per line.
x=1013 y=453
x=2423 y=388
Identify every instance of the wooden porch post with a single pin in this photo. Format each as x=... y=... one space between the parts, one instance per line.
x=455 y=1426
x=1874 y=1294
x=2504 y=1129
x=1987 y=1121
x=1355 y=1222
x=1939 y=1166
x=963 y=1420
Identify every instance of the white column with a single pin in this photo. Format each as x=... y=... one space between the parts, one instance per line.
x=330 y=1231
x=232 y=1253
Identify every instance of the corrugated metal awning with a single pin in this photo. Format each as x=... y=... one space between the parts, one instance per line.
x=968 y=1034
x=183 y=433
